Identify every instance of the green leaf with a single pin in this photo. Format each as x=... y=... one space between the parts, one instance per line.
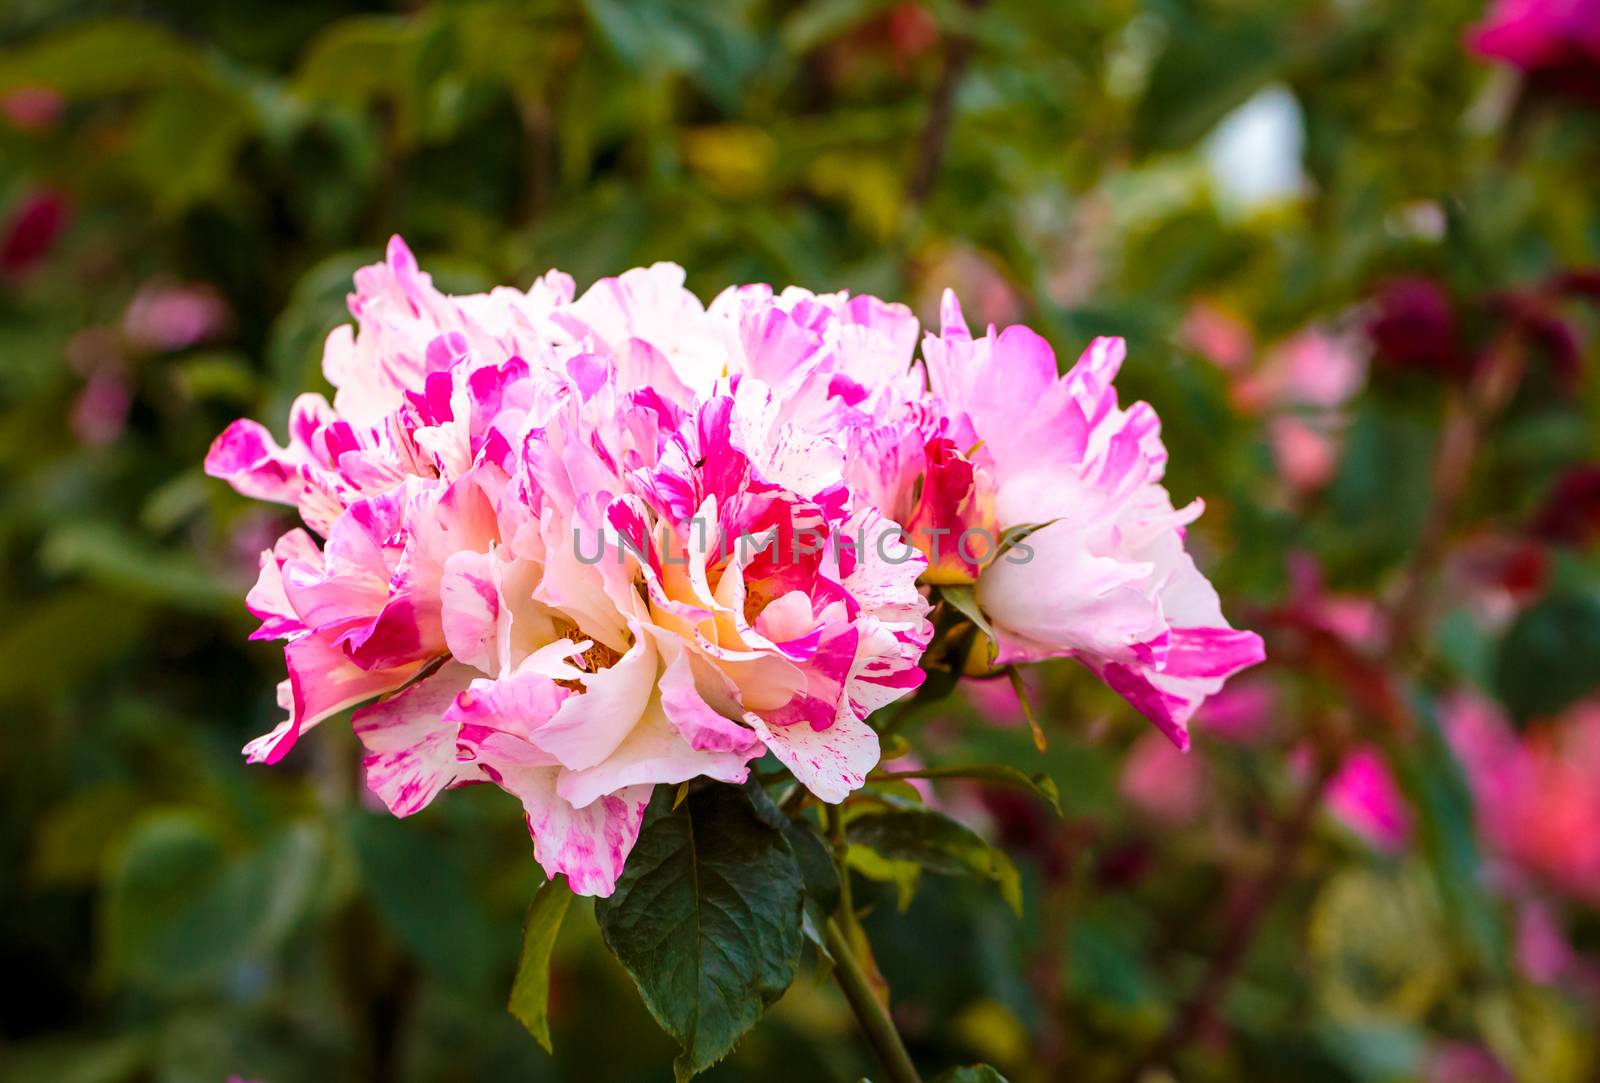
x=181 y=910
x=1208 y=68
x=1000 y=774
x=1547 y=659
x=904 y=875
x=425 y=898
x=124 y=561
x=530 y=990
x=970 y=1073
x=965 y=602
x=706 y=919
x=108 y=56
x=1014 y=675
x=935 y=842
x=1433 y=779
x=184 y=142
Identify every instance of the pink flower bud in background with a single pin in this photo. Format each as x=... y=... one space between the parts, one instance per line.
x=1463 y=1062
x=1535 y=792
x=1307 y=453
x=164 y=317
x=101 y=411
x=1364 y=796
x=972 y=275
x=1312 y=368
x=1162 y=782
x=1543 y=951
x=32 y=108
x=32 y=229
x=1241 y=713
x=1217 y=335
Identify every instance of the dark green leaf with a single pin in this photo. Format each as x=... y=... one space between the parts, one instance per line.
x=181 y=910
x=999 y=774
x=1206 y=70
x=108 y=56
x=811 y=852
x=965 y=602
x=933 y=841
x=706 y=919
x=530 y=990
x=425 y=899
x=1432 y=778
x=1548 y=658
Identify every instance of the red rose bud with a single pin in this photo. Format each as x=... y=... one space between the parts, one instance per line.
x=1571 y=513
x=32 y=230
x=1414 y=327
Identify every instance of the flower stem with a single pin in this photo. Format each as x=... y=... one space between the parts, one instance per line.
x=871 y=1013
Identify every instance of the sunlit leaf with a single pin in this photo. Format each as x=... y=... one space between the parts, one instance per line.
x=530 y=990
x=934 y=842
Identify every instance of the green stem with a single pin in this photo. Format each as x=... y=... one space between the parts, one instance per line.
x=871 y=1013
x=847 y=908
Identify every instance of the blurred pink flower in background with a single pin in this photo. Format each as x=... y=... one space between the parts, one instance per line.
x=1163 y=782
x=997 y=700
x=164 y=317
x=1536 y=793
x=32 y=229
x=1314 y=367
x=1463 y=1062
x=1495 y=575
x=1218 y=335
x=32 y=108
x=1364 y=797
x=1556 y=43
x=1357 y=620
x=1242 y=712
x=1543 y=951
x=1307 y=453
x=1302 y=383
x=101 y=411
x=975 y=276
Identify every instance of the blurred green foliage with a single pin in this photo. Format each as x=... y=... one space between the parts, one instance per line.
x=167 y=913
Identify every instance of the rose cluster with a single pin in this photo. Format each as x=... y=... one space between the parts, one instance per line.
x=529 y=520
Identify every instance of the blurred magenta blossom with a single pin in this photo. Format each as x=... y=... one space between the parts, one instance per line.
x=1165 y=784
x=1536 y=793
x=1464 y=1062
x=164 y=317
x=1242 y=712
x=1364 y=796
x=1556 y=43
x=100 y=412
x=32 y=108
x=32 y=229
x=1302 y=384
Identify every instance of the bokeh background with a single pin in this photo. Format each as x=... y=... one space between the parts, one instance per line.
x=1353 y=245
